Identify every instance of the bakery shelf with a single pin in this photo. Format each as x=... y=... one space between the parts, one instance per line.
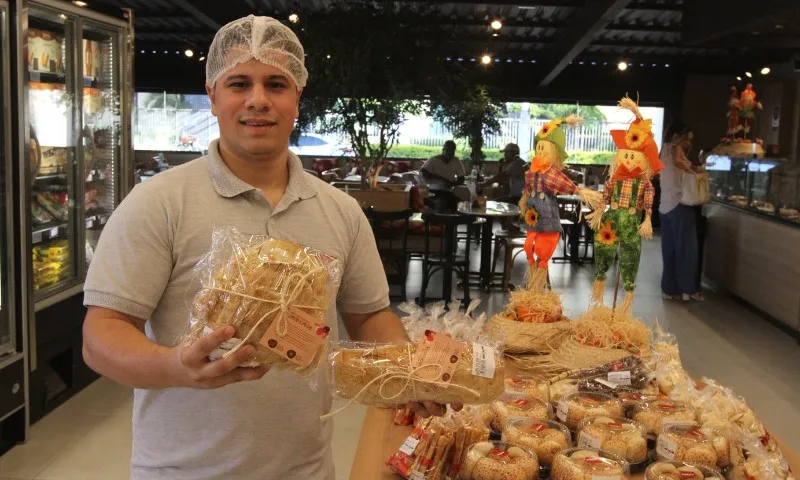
x=97 y=221
x=47 y=77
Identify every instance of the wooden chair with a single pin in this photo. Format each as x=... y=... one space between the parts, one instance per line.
x=447 y=259
x=511 y=243
x=391 y=237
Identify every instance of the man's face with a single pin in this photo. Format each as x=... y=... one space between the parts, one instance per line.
x=448 y=151
x=509 y=155
x=256 y=106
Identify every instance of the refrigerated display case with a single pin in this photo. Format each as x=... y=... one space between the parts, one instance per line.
x=753 y=229
x=75 y=92
x=77 y=71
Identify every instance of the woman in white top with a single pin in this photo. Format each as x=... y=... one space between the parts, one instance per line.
x=678 y=223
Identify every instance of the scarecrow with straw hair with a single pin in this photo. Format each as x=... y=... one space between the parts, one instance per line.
x=539 y=208
x=628 y=193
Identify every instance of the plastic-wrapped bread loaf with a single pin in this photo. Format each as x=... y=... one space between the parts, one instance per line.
x=264 y=287
x=384 y=375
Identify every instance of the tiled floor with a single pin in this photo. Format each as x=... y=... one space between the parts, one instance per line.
x=89 y=437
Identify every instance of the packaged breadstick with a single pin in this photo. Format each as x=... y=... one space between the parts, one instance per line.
x=437 y=368
x=275 y=293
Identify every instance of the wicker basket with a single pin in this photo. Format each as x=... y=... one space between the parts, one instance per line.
x=520 y=337
x=571 y=355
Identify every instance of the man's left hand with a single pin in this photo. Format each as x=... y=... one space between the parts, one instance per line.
x=426 y=409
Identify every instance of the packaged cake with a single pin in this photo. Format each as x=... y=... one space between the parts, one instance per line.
x=499 y=461
x=576 y=407
x=659 y=413
x=501 y=412
x=544 y=437
x=620 y=436
x=527 y=388
x=662 y=470
x=693 y=444
x=588 y=464
x=630 y=400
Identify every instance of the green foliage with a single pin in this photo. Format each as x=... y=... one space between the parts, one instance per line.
x=367 y=61
x=423 y=152
x=471 y=118
x=157 y=100
x=557 y=110
x=590 y=158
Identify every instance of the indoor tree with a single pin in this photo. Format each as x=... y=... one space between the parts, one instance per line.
x=371 y=64
x=473 y=118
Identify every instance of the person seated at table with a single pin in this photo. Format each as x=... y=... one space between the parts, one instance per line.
x=511 y=174
x=445 y=167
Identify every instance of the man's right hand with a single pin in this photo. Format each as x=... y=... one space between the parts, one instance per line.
x=193 y=369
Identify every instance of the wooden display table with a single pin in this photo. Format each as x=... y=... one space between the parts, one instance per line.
x=380 y=439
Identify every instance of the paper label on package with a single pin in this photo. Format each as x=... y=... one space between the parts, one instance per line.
x=603 y=381
x=666 y=448
x=674 y=421
x=436 y=357
x=563 y=410
x=483 y=362
x=587 y=441
x=620 y=378
x=409 y=445
x=223 y=348
x=417 y=476
x=515 y=395
x=303 y=339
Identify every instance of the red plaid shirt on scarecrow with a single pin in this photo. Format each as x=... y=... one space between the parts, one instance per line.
x=553 y=181
x=644 y=199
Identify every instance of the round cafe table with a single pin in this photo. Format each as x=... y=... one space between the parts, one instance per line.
x=492 y=211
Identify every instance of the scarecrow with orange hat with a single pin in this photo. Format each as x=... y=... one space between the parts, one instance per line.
x=628 y=194
x=539 y=209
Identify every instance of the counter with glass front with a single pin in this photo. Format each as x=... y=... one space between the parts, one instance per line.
x=753 y=231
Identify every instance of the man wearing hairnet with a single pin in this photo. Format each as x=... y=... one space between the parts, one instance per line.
x=194 y=418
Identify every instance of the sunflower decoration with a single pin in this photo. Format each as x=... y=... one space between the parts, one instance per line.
x=637 y=134
x=607 y=235
x=531 y=217
x=548 y=127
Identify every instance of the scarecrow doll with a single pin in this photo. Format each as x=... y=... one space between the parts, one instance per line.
x=538 y=206
x=628 y=193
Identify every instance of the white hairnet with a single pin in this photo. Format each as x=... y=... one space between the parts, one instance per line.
x=262 y=38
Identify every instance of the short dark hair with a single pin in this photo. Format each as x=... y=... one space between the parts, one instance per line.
x=677 y=128
x=450 y=143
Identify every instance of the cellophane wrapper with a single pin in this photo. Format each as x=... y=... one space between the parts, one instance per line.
x=437 y=446
x=382 y=375
x=252 y=281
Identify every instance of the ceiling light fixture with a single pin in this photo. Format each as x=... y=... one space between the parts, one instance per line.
x=80 y=3
x=62 y=16
x=201 y=59
x=765 y=71
x=622 y=66
x=294 y=18
x=748 y=74
x=189 y=52
x=328 y=56
x=496 y=24
x=666 y=65
x=495 y=34
x=486 y=59
x=739 y=78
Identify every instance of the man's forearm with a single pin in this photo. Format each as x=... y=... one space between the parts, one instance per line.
x=118 y=350
x=383 y=326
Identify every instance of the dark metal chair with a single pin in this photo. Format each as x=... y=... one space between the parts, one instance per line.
x=391 y=237
x=441 y=253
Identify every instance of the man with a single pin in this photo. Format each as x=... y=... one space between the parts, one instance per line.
x=200 y=419
x=511 y=174
x=445 y=167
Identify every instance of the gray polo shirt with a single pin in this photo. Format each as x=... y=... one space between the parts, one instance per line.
x=143 y=267
x=516 y=176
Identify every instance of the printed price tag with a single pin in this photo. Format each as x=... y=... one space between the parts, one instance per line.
x=35 y=76
x=563 y=410
x=620 y=378
x=36 y=237
x=666 y=448
x=103 y=220
x=674 y=421
x=304 y=337
x=603 y=381
x=409 y=445
x=587 y=441
x=436 y=357
x=483 y=364
x=53 y=232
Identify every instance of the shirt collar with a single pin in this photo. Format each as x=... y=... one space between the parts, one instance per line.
x=229 y=185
